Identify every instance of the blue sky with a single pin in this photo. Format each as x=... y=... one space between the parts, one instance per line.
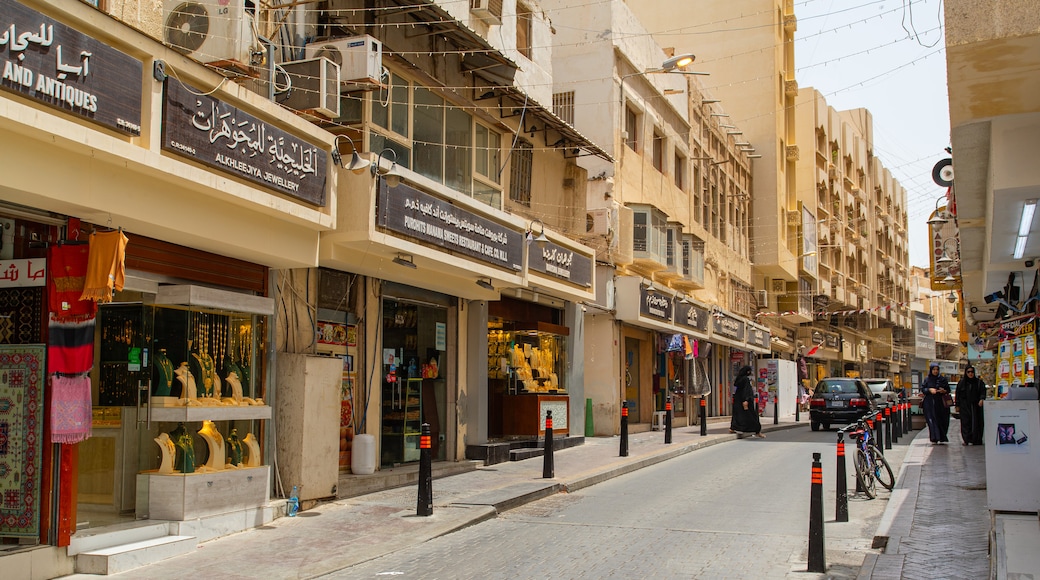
x=887 y=56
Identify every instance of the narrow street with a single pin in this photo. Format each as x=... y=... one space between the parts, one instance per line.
x=736 y=510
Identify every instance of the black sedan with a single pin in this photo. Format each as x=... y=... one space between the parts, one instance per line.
x=839 y=400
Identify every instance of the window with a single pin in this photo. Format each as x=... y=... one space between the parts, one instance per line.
x=658 y=151
x=649 y=233
x=523 y=29
x=679 y=166
x=428 y=148
x=488 y=153
x=520 y=177
x=632 y=129
x=563 y=106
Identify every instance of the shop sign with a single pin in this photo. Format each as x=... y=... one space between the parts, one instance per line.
x=214 y=133
x=656 y=305
x=692 y=316
x=23 y=273
x=54 y=64
x=830 y=341
x=728 y=326
x=413 y=213
x=758 y=337
x=560 y=262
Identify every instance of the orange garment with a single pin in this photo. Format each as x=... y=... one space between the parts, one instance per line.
x=105 y=271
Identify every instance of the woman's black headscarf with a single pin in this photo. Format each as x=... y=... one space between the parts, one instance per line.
x=745 y=371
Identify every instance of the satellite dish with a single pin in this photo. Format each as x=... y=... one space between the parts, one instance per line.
x=187 y=26
x=942 y=173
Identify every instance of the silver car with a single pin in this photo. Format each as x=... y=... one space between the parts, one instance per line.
x=884 y=390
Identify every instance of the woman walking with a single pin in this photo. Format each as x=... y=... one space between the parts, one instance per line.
x=936 y=413
x=745 y=413
x=970 y=393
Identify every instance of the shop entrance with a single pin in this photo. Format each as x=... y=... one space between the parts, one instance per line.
x=414 y=379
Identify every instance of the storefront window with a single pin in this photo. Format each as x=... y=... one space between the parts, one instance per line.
x=529 y=361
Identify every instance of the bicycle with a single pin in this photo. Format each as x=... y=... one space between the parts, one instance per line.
x=871 y=465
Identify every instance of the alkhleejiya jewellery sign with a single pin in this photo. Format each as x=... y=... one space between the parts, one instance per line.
x=214 y=133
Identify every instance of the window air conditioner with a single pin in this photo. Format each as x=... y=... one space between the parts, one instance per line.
x=314 y=87
x=360 y=58
x=597 y=221
x=763 y=299
x=211 y=31
x=490 y=11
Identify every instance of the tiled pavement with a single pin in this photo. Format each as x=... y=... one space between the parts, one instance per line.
x=937 y=524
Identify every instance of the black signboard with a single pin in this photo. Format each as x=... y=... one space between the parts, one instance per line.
x=655 y=305
x=423 y=217
x=214 y=133
x=758 y=337
x=728 y=326
x=559 y=262
x=692 y=316
x=54 y=64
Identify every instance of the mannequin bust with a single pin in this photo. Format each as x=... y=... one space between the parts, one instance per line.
x=236 y=387
x=164 y=369
x=185 y=459
x=253 y=446
x=234 y=449
x=169 y=452
x=189 y=390
x=215 y=443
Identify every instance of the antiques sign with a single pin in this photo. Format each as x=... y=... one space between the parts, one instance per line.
x=559 y=262
x=413 y=213
x=214 y=133
x=54 y=64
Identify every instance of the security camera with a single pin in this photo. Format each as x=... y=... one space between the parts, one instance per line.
x=1030 y=263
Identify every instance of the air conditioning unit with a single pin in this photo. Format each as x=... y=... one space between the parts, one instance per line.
x=314 y=86
x=360 y=59
x=598 y=222
x=490 y=11
x=778 y=286
x=763 y=299
x=211 y=31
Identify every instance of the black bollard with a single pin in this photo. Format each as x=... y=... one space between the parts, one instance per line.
x=841 y=507
x=798 y=406
x=897 y=424
x=547 y=463
x=704 y=416
x=879 y=432
x=424 y=505
x=668 y=421
x=908 y=415
x=624 y=429
x=817 y=559
x=888 y=427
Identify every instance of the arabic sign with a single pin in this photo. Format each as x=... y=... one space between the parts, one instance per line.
x=728 y=326
x=207 y=130
x=68 y=70
x=23 y=273
x=559 y=262
x=692 y=316
x=413 y=213
x=924 y=335
x=759 y=337
x=653 y=304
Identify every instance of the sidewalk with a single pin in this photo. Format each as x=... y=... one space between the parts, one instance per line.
x=342 y=533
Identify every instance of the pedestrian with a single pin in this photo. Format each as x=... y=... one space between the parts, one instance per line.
x=745 y=398
x=971 y=391
x=936 y=413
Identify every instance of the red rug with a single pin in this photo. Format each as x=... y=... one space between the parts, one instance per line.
x=21 y=438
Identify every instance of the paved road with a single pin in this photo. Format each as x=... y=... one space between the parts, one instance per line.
x=738 y=510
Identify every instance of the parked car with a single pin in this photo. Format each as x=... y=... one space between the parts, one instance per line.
x=884 y=390
x=839 y=400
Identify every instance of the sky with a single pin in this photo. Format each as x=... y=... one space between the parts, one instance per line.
x=889 y=57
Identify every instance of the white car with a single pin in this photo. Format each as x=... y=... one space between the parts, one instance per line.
x=884 y=390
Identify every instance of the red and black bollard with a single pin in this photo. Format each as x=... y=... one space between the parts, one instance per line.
x=547 y=463
x=704 y=416
x=841 y=507
x=668 y=420
x=897 y=424
x=817 y=559
x=624 y=429
x=424 y=504
x=776 y=408
x=879 y=432
x=888 y=427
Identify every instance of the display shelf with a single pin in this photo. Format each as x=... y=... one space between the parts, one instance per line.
x=199 y=414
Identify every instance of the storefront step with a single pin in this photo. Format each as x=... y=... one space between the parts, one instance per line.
x=117 y=559
x=94 y=539
x=500 y=452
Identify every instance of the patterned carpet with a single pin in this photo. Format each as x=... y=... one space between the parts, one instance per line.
x=21 y=438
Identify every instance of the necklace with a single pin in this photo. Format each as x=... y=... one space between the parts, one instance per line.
x=166 y=368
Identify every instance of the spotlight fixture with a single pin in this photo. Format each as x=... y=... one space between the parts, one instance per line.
x=357 y=165
x=539 y=238
x=485 y=283
x=393 y=176
x=405 y=260
x=685 y=299
x=649 y=285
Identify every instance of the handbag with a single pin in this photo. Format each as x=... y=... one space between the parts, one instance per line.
x=947 y=400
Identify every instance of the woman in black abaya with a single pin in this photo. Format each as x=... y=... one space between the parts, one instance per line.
x=970 y=393
x=745 y=413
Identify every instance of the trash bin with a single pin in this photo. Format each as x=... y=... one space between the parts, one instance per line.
x=916 y=413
